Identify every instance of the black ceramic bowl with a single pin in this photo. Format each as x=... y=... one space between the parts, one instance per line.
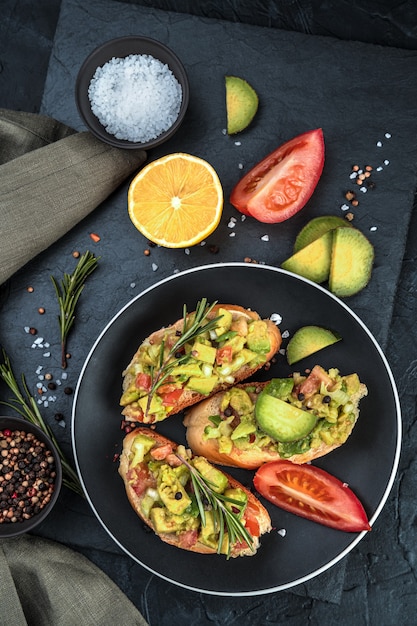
x=120 y=49
x=14 y=528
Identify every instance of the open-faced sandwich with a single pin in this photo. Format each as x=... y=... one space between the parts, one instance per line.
x=206 y=351
x=299 y=418
x=188 y=502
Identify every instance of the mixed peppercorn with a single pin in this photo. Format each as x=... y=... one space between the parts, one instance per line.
x=27 y=475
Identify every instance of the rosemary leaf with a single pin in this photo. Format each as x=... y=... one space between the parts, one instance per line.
x=25 y=405
x=193 y=326
x=225 y=520
x=68 y=291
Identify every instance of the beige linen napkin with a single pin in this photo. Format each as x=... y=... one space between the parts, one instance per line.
x=51 y=177
x=44 y=583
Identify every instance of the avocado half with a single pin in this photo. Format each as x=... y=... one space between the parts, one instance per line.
x=241 y=104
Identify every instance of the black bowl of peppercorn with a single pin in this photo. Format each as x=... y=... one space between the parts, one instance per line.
x=30 y=476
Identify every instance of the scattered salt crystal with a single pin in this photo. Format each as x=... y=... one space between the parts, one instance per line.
x=285 y=334
x=388 y=135
x=231 y=224
x=39 y=369
x=62 y=423
x=224 y=131
x=203 y=243
x=176 y=271
x=133 y=285
x=38 y=341
x=373 y=229
x=353 y=175
x=58 y=382
x=45 y=403
x=232 y=234
x=27 y=329
x=41 y=377
x=46 y=345
x=33 y=345
x=363 y=189
x=276 y=318
x=240 y=166
x=51 y=398
x=238 y=143
x=345 y=207
x=242 y=218
x=282 y=532
x=187 y=251
x=345 y=484
x=265 y=238
x=64 y=375
x=46 y=354
x=379 y=168
x=386 y=162
x=154 y=267
x=281 y=351
x=39 y=401
x=135 y=98
x=39 y=385
x=379 y=144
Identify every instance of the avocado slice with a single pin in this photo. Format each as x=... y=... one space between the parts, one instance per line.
x=317 y=227
x=351 y=262
x=313 y=261
x=282 y=421
x=308 y=340
x=241 y=104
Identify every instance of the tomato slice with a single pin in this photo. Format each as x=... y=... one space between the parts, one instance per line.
x=171 y=397
x=312 y=493
x=282 y=183
x=143 y=381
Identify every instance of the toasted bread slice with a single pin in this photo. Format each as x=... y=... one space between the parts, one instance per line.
x=235 y=338
x=256 y=447
x=143 y=445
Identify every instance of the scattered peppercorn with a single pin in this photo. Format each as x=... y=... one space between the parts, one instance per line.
x=30 y=289
x=350 y=195
x=32 y=330
x=68 y=355
x=76 y=254
x=41 y=310
x=178 y=495
x=326 y=399
x=214 y=249
x=68 y=391
x=146 y=252
x=51 y=386
x=48 y=376
x=59 y=417
x=349 y=216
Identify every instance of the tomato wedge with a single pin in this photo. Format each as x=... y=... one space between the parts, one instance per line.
x=282 y=183
x=312 y=493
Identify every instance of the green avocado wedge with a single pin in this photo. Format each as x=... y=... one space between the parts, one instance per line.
x=313 y=261
x=308 y=340
x=282 y=421
x=351 y=263
x=241 y=104
x=317 y=227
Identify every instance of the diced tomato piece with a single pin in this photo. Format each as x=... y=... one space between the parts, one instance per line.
x=313 y=493
x=143 y=381
x=141 y=479
x=313 y=382
x=161 y=452
x=224 y=355
x=188 y=538
x=170 y=398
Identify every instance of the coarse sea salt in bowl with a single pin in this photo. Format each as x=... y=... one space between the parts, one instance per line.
x=132 y=92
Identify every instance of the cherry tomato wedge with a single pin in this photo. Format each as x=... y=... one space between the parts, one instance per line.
x=282 y=183
x=312 y=493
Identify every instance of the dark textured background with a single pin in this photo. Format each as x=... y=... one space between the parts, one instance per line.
x=377 y=582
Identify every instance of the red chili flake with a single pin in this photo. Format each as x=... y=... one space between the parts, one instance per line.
x=32 y=492
x=7 y=432
x=116 y=457
x=14 y=495
x=96 y=238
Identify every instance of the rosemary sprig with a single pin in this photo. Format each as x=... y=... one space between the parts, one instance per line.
x=68 y=291
x=192 y=328
x=24 y=404
x=225 y=520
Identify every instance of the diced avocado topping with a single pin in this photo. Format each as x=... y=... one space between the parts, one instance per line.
x=225 y=322
x=258 y=337
x=204 y=353
x=140 y=446
x=218 y=481
x=281 y=419
x=172 y=492
x=202 y=385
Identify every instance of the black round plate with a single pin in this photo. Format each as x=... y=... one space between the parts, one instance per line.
x=367 y=462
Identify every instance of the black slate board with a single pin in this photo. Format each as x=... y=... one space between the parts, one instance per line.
x=356 y=92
